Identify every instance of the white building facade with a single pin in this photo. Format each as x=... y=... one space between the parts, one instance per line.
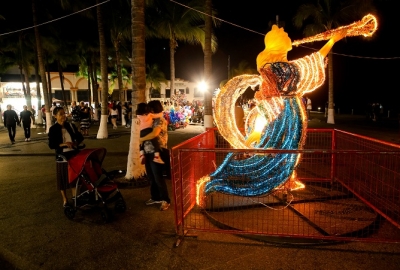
x=77 y=89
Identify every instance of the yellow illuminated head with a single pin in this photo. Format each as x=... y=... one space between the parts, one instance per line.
x=277 y=44
x=277 y=40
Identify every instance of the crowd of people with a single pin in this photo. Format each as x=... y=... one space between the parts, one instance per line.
x=83 y=115
x=183 y=113
x=65 y=136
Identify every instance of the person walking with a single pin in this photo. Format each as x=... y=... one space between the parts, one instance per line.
x=85 y=117
x=10 y=122
x=26 y=117
x=75 y=112
x=114 y=115
x=43 y=111
x=154 y=170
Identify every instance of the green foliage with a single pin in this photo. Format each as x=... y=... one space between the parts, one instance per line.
x=126 y=79
x=175 y=22
x=330 y=14
x=154 y=76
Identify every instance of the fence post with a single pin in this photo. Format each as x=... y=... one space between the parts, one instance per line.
x=333 y=156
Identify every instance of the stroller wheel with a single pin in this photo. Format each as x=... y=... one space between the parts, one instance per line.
x=120 y=206
x=105 y=215
x=69 y=212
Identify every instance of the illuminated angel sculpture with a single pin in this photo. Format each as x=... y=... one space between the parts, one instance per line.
x=279 y=119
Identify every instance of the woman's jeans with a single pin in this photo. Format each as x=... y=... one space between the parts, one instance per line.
x=158 y=186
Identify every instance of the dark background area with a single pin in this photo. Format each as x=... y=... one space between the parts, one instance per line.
x=361 y=75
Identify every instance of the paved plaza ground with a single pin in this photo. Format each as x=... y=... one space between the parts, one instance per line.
x=35 y=234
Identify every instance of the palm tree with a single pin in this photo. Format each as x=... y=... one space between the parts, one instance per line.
x=85 y=71
x=102 y=132
x=327 y=15
x=42 y=69
x=175 y=22
x=120 y=31
x=208 y=118
x=121 y=75
x=17 y=50
x=25 y=68
x=242 y=68
x=135 y=170
x=154 y=76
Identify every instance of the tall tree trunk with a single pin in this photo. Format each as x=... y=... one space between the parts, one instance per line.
x=89 y=83
x=24 y=71
x=119 y=72
x=208 y=117
x=92 y=73
x=27 y=89
x=48 y=93
x=103 y=132
x=172 y=48
x=135 y=170
x=61 y=75
x=331 y=102
x=38 y=92
x=49 y=85
x=41 y=67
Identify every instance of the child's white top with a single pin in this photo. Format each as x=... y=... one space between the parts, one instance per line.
x=145 y=121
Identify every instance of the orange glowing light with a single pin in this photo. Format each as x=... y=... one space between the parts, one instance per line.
x=365 y=27
x=269 y=101
x=199 y=189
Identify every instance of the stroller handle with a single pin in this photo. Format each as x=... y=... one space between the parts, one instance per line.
x=63 y=158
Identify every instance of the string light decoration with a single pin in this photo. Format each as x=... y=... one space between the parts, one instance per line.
x=365 y=27
x=280 y=109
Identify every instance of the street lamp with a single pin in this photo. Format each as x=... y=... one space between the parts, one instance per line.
x=202 y=86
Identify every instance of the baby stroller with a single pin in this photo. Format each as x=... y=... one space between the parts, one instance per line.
x=94 y=187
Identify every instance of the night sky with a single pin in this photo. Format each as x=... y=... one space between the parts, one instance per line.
x=358 y=80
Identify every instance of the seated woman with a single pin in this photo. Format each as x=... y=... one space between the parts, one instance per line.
x=64 y=137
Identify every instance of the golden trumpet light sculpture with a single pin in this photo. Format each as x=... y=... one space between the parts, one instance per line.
x=278 y=121
x=365 y=27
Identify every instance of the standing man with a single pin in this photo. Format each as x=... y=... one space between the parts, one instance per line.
x=11 y=121
x=26 y=117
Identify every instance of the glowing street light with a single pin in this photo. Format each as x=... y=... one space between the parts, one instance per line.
x=202 y=86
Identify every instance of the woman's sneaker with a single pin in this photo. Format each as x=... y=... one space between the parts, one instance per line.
x=151 y=201
x=164 y=206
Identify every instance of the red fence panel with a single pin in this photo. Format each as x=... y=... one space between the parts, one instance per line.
x=351 y=190
x=185 y=171
x=373 y=175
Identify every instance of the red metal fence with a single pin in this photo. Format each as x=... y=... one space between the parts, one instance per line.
x=351 y=190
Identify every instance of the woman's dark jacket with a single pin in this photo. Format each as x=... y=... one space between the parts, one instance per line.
x=56 y=137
